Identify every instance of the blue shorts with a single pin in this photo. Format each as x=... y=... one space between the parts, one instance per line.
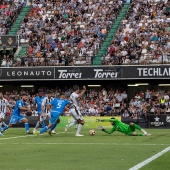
x=14 y=119
x=54 y=117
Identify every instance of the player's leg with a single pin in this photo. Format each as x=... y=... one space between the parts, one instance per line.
x=135 y=134
x=135 y=126
x=42 y=123
x=51 y=130
x=44 y=129
x=13 y=120
x=26 y=125
x=52 y=121
x=75 y=116
x=80 y=125
x=74 y=123
x=1 y=120
x=37 y=124
x=3 y=123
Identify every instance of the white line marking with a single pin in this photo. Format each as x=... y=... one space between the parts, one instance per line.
x=27 y=136
x=114 y=144
x=140 y=165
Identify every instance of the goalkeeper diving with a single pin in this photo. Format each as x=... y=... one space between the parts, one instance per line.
x=122 y=127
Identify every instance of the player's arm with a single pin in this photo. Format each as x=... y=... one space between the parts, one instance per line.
x=24 y=108
x=83 y=91
x=8 y=105
x=107 y=131
x=106 y=120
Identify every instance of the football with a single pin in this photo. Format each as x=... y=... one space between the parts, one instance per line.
x=92 y=132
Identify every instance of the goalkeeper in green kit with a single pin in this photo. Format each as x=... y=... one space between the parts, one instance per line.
x=122 y=127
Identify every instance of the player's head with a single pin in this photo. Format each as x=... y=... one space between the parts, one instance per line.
x=49 y=94
x=1 y=95
x=53 y=94
x=40 y=92
x=62 y=96
x=112 y=123
x=76 y=88
x=24 y=97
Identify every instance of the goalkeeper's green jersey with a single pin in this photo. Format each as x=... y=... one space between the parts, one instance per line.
x=119 y=126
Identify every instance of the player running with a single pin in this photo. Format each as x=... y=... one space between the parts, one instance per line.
x=17 y=114
x=3 y=109
x=38 y=101
x=45 y=110
x=75 y=109
x=122 y=127
x=58 y=108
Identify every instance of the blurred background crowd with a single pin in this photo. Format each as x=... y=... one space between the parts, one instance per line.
x=105 y=102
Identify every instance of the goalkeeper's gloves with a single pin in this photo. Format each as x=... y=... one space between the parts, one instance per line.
x=101 y=128
x=99 y=120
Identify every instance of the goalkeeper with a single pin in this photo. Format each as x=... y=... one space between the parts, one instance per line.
x=122 y=127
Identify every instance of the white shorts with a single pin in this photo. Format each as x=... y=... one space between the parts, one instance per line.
x=48 y=115
x=76 y=114
x=2 y=115
x=42 y=118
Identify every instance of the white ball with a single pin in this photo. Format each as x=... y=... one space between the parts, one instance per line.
x=92 y=132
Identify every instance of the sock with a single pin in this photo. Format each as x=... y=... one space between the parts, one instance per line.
x=79 y=129
x=43 y=124
x=143 y=131
x=53 y=126
x=43 y=129
x=3 y=123
x=72 y=124
x=27 y=127
x=5 y=128
x=37 y=125
x=136 y=126
x=0 y=127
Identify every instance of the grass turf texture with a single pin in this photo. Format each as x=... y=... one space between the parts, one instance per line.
x=64 y=151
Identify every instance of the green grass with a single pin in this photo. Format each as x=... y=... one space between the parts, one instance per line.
x=64 y=151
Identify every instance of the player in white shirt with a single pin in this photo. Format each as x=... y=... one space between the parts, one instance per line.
x=45 y=111
x=75 y=109
x=3 y=109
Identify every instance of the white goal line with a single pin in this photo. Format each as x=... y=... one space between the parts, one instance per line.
x=140 y=165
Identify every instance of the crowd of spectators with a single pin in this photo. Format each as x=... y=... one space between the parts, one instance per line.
x=143 y=36
x=70 y=32
x=67 y=32
x=9 y=10
x=109 y=102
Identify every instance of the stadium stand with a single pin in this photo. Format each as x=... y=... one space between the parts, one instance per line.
x=71 y=33
x=143 y=36
x=111 y=34
x=9 y=10
x=65 y=33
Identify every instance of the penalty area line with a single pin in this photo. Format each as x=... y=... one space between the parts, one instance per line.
x=140 y=165
x=24 y=136
x=71 y=143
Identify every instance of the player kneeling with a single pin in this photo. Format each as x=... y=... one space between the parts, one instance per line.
x=122 y=127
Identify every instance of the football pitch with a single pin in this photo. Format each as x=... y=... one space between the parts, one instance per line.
x=64 y=151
